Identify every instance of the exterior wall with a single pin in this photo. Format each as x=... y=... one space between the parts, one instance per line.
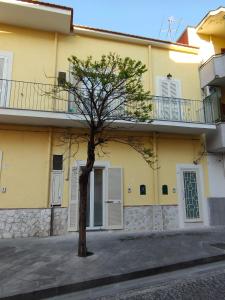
x=170 y=150
x=182 y=66
x=216 y=211
x=33 y=53
x=84 y=46
x=15 y=223
x=60 y=216
x=32 y=222
x=27 y=151
x=216 y=166
x=25 y=167
x=218 y=43
x=151 y=218
x=47 y=54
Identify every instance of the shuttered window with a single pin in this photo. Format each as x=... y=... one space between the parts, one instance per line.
x=168 y=103
x=168 y=87
x=5 y=76
x=74 y=200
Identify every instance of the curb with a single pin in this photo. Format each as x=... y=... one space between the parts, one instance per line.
x=79 y=286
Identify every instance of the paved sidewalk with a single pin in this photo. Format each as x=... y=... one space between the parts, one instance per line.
x=42 y=264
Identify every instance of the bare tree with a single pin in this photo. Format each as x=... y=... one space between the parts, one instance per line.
x=104 y=92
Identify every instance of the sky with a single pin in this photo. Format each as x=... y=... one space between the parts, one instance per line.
x=141 y=17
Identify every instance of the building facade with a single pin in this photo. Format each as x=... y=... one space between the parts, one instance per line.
x=40 y=157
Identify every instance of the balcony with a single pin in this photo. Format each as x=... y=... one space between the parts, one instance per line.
x=215 y=141
x=34 y=104
x=212 y=72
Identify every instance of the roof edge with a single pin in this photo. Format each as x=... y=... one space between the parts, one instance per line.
x=52 y=5
x=147 y=39
x=211 y=12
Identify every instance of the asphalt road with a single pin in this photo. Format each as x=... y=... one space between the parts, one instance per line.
x=205 y=282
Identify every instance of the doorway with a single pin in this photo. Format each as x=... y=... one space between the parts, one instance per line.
x=95 y=209
x=190 y=191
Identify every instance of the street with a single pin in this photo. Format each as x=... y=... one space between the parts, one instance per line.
x=205 y=282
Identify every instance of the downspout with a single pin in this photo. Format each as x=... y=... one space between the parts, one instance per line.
x=1 y=162
x=55 y=58
x=49 y=179
x=155 y=171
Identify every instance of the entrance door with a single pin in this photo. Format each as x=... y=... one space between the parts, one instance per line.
x=191 y=195
x=5 y=73
x=95 y=199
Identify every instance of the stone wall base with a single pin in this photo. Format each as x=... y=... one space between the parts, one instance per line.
x=216 y=208
x=151 y=218
x=16 y=223
x=24 y=222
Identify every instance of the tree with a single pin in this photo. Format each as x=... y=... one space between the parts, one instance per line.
x=102 y=92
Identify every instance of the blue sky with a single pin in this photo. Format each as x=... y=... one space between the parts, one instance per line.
x=142 y=17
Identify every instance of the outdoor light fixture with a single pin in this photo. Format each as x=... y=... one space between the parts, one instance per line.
x=169 y=76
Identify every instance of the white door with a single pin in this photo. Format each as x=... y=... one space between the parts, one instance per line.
x=191 y=197
x=5 y=76
x=169 y=104
x=105 y=199
x=114 y=203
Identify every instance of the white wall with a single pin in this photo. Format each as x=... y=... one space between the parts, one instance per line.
x=216 y=168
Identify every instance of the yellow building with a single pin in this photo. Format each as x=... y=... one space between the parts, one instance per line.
x=39 y=154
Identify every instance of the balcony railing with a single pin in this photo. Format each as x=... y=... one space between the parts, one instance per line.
x=40 y=97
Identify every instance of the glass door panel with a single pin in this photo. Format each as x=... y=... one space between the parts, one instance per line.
x=98 y=197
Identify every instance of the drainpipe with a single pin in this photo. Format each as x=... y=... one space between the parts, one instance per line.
x=49 y=180
x=55 y=57
x=155 y=172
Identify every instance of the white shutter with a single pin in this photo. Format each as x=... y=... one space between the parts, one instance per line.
x=71 y=105
x=2 y=67
x=170 y=105
x=114 y=204
x=5 y=74
x=1 y=159
x=163 y=101
x=56 y=187
x=3 y=83
x=74 y=200
x=164 y=88
x=175 y=101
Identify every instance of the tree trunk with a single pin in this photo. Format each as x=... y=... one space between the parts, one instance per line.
x=83 y=182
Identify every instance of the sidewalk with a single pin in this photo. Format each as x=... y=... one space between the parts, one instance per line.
x=35 y=268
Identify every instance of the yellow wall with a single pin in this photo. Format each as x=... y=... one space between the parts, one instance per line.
x=218 y=43
x=33 y=53
x=25 y=167
x=182 y=66
x=26 y=151
x=170 y=149
x=39 y=55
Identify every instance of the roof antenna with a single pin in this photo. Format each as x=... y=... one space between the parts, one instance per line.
x=170 y=31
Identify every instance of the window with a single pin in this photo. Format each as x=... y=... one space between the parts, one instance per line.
x=5 y=76
x=61 y=78
x=57 y=162
x=168 y=103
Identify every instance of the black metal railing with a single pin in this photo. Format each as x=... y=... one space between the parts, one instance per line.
x=41 y=97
